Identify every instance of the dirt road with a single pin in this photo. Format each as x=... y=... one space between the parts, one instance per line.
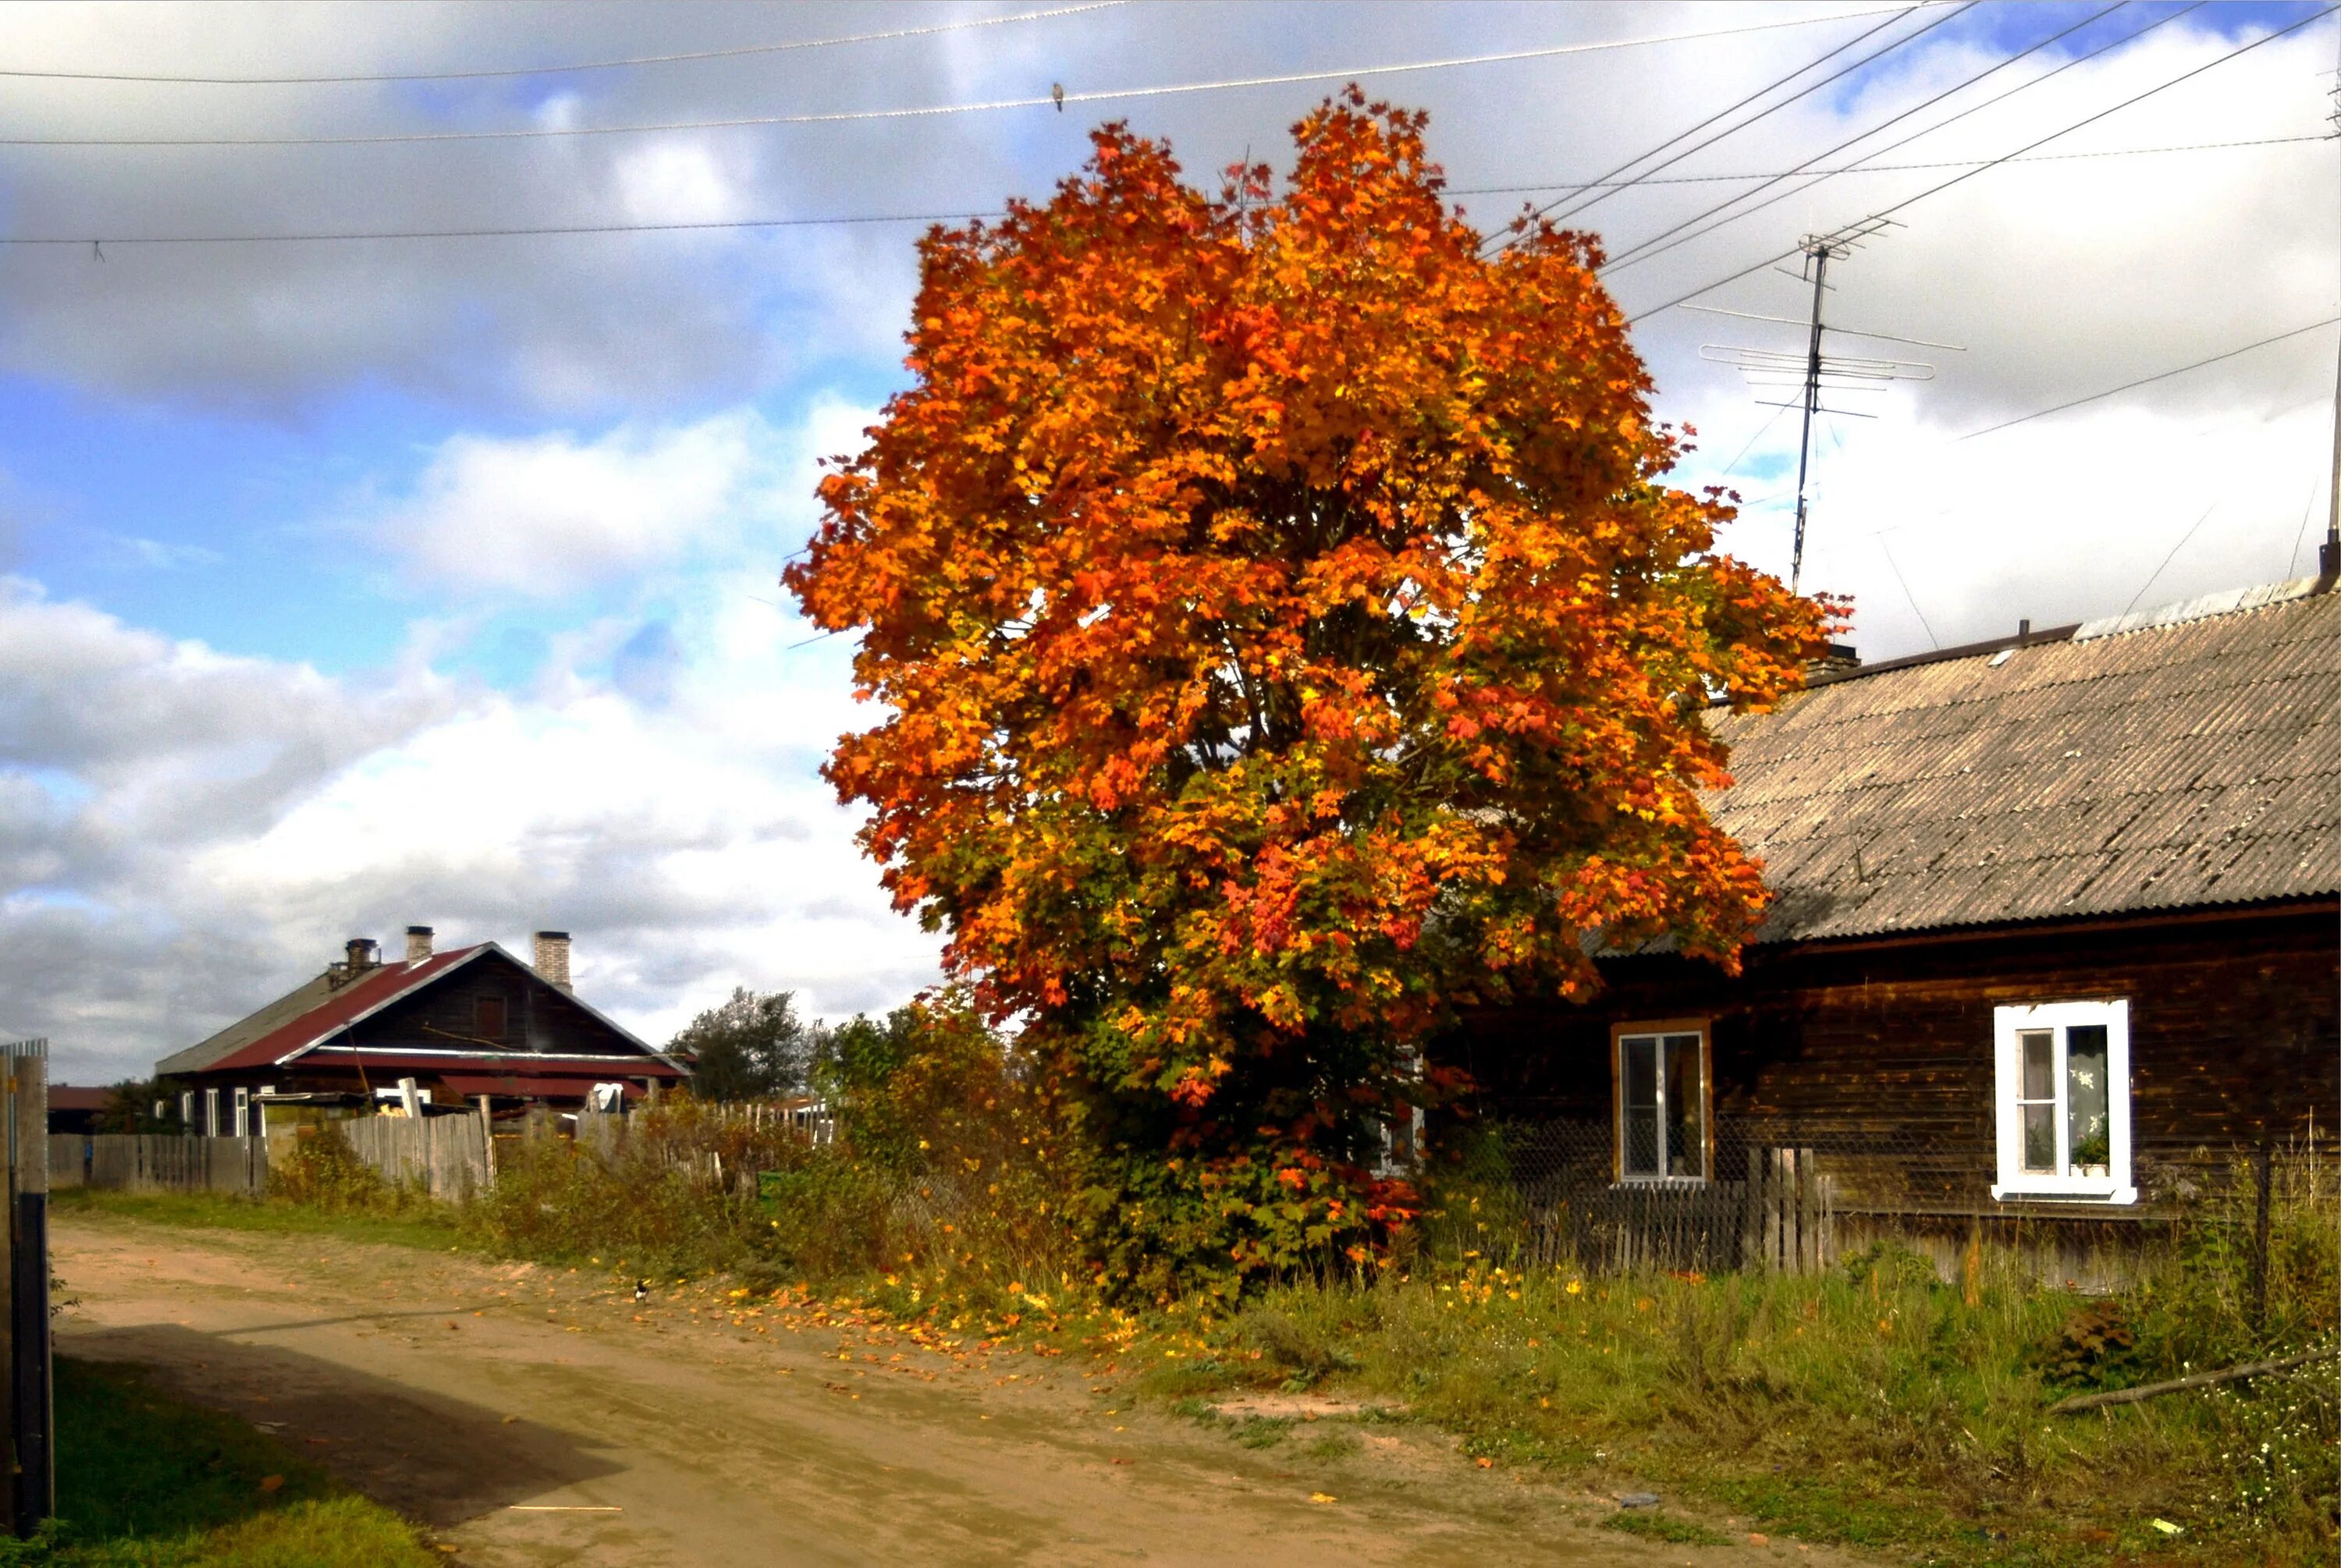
x=539 y=1417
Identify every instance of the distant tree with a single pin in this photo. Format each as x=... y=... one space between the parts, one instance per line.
x=131 y=1108
x=751 y=1047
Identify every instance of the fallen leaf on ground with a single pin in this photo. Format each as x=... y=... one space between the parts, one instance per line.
x=1322 y=1497
x=272 y=1483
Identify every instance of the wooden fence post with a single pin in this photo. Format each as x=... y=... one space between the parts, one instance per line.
x=32 y=1409
x=487 y=1136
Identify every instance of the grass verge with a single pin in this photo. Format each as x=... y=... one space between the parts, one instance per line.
x=145 y=1480
x=437 y=1229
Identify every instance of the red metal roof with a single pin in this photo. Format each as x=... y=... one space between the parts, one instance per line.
x=66 y=1097
x=384 y=984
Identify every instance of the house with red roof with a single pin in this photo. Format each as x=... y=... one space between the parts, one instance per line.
x=462 y=1024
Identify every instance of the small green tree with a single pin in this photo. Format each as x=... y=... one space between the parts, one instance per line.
x=752 y=1047
x=130 y=1107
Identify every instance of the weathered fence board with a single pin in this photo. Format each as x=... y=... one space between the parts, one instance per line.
x=446 y=1157
x=124 y=1162
x=1781 y=1217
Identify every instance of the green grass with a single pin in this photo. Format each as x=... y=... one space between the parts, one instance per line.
x=437 y=1229
x=1652 y=1525
x=1873 y=1407
x=145 y=1480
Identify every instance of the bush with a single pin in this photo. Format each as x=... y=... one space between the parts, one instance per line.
x=319 y=1170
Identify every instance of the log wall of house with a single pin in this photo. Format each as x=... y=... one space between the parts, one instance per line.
x=1882 y=1055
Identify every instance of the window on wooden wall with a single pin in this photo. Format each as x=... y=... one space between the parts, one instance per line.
x=2063 y=1091
x=1661 y=1089
x=488 y=1017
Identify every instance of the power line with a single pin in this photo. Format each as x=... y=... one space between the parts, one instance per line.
x=2168 y=559
x=1916 y=135
x=1645 y=249
x=2144 y=381
x=1603 y=182
x=1864 y=166
x=2184 y=77
x=964 y=216
x=848 y=117
x=734 y=53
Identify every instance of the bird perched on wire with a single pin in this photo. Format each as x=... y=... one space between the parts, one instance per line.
x=1057 y=92
x=641 y=1290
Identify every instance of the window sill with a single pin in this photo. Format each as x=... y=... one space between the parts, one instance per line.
x=2092 y=1192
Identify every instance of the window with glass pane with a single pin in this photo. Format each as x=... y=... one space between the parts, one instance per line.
x=1661 y=1106
x=2037 y=1098
x=2088 y=1122
x=2064 y=1100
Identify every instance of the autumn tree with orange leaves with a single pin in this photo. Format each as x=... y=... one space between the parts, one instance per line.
x=1284 y=637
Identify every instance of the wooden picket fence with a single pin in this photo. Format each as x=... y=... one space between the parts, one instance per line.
x=1780 y=1215
x=450 y=1158
x=453 y=1158
x=165 y=1162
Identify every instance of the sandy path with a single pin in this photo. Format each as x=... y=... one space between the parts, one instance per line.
x=533 y=1416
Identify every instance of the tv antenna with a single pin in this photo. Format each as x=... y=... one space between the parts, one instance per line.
x=1812 y=372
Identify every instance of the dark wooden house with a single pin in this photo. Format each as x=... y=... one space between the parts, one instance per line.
x=2055 y=937
x=457 y=1026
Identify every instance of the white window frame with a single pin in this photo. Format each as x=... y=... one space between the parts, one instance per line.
x=2014 y=1181
x=1662 y=1029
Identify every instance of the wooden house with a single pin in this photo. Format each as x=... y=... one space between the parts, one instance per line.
x=2056 y=937
x=437 y=1029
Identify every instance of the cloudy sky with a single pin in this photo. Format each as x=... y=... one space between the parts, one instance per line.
x=347 y=583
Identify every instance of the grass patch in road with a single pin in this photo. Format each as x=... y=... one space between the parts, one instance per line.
x=145 y=1480
x=1652 y=1525
x=433 y=1228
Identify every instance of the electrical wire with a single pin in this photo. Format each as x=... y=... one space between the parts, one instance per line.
x=2237 y=52
x=1603 y=182
x=2168 y=559
x=964 y=216
x=1864 y=166
x=1916 y=135
x=1643 y=250
x=848 y=117
x=734 y=53
x=2143 y=380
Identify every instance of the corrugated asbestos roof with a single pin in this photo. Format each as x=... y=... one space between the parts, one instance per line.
x=2176 y=759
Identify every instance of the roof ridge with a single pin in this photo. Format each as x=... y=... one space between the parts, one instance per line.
x=2205 y=607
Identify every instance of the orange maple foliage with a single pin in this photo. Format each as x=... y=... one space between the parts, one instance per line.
x=1283 y=634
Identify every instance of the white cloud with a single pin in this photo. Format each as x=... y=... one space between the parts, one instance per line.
x=546 y=515
x=183 y=833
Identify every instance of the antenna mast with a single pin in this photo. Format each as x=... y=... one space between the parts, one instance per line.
x=2328 y=554
x=1815 y=370
x=1819 y=249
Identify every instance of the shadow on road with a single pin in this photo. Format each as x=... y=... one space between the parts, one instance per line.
x=437 y=1460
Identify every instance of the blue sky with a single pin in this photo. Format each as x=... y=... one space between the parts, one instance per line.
x=350 y=584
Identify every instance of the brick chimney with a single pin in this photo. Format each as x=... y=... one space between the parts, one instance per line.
x=363 y=954
x=418 y=943
x=552 y=957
